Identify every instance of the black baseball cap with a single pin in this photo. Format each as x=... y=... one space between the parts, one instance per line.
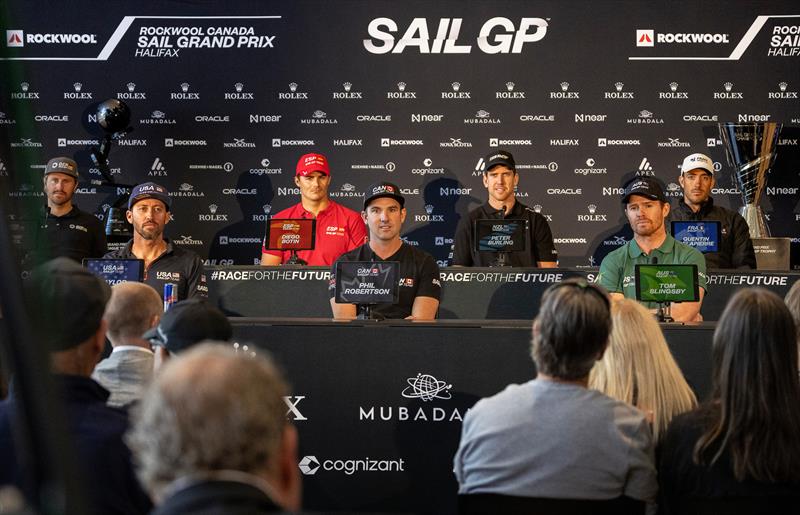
x=499 y=157
x=66 y=302
x=383 y=189
x=62 y=165
x=187 y=323
x=149 y=190
x=644 y=186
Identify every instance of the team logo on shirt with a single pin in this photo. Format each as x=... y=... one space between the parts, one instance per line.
x=168 y=276
x=333 y=230
x=407 y=281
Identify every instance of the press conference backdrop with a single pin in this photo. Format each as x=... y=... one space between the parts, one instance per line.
x=226 y=96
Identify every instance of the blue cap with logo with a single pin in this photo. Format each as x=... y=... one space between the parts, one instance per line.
x=149 y=190
x=645 y=187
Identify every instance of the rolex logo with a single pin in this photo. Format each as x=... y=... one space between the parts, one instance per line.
x=673 y=86
x=728 y=86
x=592 y=208
x=131 y=87
x=537 y=208
x=24 y=86
x=292 y=87
x=212 y=208
x=401 y=86
x=783 y=85
x=347 y=86
x=267 y=208
x=619 y=85
x=429 y=208
x=510 y=86
x=78 y=86
x=564 y=86
x=456 y=86
x=238 y=87
x=185 y=87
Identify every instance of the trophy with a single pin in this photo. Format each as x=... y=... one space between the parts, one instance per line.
x=750 y=149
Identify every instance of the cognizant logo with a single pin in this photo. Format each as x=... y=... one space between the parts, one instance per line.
x=310 y=465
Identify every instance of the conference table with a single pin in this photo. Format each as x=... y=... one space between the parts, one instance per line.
x=379 y=404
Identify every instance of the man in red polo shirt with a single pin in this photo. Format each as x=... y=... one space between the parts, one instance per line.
x=339 y=229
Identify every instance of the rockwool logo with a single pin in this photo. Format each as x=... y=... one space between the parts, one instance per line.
x=645 y=37
x=15 y=38
x=310 y=465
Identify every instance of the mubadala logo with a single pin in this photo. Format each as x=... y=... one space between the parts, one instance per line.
x=584 y=118
x=309 y=465
x=497 y=36
x=728 y=93
x=347 y=190
x=537 y=118
x=157 y=118
x=420 y=118
x=29 y=143
x=4 y=120
x=645 y=118
x=131 y=93
x=701 y=118
x=78 y=94
x=590 y=169
x=172 y=142
x=264 y=118
x=754 y=118
x=40 y=118
x=184 y=93
x=278 y=142
x=401 y=93
x=455 y=143
x=429 y=217
x=239 y=93
x=186 y=190
x=26 y=190
x=607 y=142
x=565 y=191
x=673 y=190
x=565 y=93
x=187 y=240
x=212 y=215
x=427 y=170
x=457 y=93
x=618 y=93
x=482 y=117
x=24 y=92
x=593 y=216
x=674 y=143
x=509 y=93
x=673 y=93
x=497 y=142
x=374 y=118
x=424 y=387
x=348 y=93
x=388 y=142
x=348 y=143
x=782 y=94
x=565 y=142
x=293 y=93
x=319 y=117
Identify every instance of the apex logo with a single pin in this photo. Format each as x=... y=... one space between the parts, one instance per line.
x=645 y=168
x=15 y=38
x=645 y=37
x=157 y=168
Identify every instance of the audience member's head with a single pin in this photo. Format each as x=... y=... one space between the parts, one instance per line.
x=571 y=330
x=637 y=367
x=186 y=324
x=66 y=304
x=792 y=301
x=213 y=409
x=134 y=308
x=756 y=392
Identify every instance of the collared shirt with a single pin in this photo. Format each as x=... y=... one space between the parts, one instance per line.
x=76 y=235
x=339 y=230
x=540 y=238
x=617 y=269
x=176 y=265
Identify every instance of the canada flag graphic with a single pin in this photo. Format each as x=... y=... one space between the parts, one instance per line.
x=14 y=38
x=645 y=37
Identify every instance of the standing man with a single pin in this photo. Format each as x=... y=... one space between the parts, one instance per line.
x=339 y=229
x=735 y=246
x=66 y=230
x=500 y=178
x=148 y=211
x=647 y=208
x=420 y=285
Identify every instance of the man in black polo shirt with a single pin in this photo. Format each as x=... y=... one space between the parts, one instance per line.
x=148 y=211
x=500 y=178
x=66 y=230
x=420 y=285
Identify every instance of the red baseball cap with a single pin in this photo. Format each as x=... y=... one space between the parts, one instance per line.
x=310 y=163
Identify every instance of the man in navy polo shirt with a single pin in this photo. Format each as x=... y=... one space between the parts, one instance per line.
x=420 y=286
x=148 y=211
x=339 y=229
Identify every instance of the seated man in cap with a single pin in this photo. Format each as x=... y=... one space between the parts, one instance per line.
x=647 y=208
x=69 y=301
x=420 y=286
x=66 y=230
x=735 y=246
x=212 y=437
x=148 y=211
x=133 y=309
x=500 y=178
x=339 y=229
x=185 y=324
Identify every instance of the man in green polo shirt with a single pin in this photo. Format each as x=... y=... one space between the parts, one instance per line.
x=647 y=208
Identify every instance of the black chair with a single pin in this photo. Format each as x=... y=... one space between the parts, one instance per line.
x=496 y=504
x=753 y=505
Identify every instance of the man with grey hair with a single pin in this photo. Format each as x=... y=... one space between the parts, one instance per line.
x=552 y=437
x=211 y=436
x=133 y=309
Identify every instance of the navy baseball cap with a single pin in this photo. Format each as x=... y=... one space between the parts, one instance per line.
x=187 y=323
x=149 y=190
x=499 y=157
x=645 y=187
x=383 y=189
